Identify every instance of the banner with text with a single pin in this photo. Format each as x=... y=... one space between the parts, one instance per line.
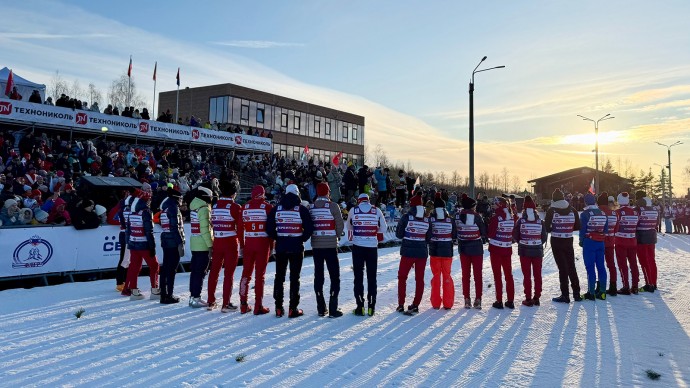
x=46 y=114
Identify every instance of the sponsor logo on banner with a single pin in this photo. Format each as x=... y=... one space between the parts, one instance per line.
x=32 y=253
x=111 y=244
x=143 y=127
x=195 y=134
x=5 y=108
x=238 y=140
x=82 y=118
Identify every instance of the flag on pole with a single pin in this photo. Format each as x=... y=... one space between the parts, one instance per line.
x=10 y=84
x=305 y=152
x=129 y=69
x=417 y=182
x=336 y=158
x=591 y=188
x=155 y=67
x=178 y=76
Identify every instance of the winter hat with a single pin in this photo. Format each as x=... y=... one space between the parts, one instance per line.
x=639 y=194
x=363 y=197
x=41 y=216
x=172 y=193
x=10 y=202
x=60 y=174
x=258 y=192
x=557 y=195
x=205 y=193
x=27 y=188
x=322 y=189
x=438 y=201
x=29 y=202
x=416 y=201
x=145 y=186
x=529 y=203
x=68 y=187
x=467 y=202
x=590 y=199
x=624 y=198
x=100 y=210
x=603 y=199
x=292 y=188
x=611 y=199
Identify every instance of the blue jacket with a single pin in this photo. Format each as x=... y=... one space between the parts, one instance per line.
x=290 y=244
x=410 y=248
x=584 y=220
x=147 y=218
x=380 y=179
x=176 y=235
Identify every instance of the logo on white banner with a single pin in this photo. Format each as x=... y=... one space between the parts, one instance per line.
x=32 y=253
x=195 y=134
x=82 y=118
x=5 y=108
x=143 y=127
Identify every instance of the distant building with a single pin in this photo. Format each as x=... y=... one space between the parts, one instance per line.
x=293 y=124
x=577 y=180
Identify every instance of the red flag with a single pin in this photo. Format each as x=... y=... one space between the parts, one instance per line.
x=10 y=84
x=129 y=69
x=591 y=188
x=306 y=149
x=178 y=76
x=155 y=67
x=336 y=158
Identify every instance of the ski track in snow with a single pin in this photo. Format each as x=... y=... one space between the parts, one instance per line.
x=143 y=343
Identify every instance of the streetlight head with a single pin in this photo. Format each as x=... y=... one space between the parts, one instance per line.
x=500 y=67
x=484 y=59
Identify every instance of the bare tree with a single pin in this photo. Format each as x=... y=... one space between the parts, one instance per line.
x=483 y=180
x=366 y=156
x=380 y=156
x=75 y=91
x=495 y=182
x=58 y=86
x=119 y=93
x=441 y=178
x=94 y=94
x=516 y=184
x=504 y=179
x=455 y=178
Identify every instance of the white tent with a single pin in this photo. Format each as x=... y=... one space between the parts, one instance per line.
x=24 y=86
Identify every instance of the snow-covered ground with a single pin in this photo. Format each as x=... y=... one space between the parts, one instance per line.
x=122 y=343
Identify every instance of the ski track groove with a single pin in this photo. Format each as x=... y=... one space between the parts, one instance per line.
x=119 y=343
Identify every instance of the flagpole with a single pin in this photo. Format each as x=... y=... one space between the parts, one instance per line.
x=129 y=82
x=177 y=105
x=153 y=110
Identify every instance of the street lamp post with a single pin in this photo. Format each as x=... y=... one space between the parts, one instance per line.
x=596 y=147
x=472 y=191
x=668 y=148
x=663 y=183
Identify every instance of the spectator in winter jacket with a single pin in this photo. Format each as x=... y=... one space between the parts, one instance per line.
x=172 y=242
x=9 y=215
x=415 y=232
x=561 y=221
x=594 y=225
x=350 y=182
x=531 y=235
x=58 y=213
x=365 y=227
x=381 y=186
x=328 y=227
x=290 y=225
x=471 y=236
x=201 y=243
x=400 y=190
x=334 y=180
x=363 y=175
x=142 y=246
x=646 y=239
x=500 y=236
x=84 y=216
x=443 y=232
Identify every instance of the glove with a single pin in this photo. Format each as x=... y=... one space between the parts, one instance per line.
x=580 y=243
x=180 y=249
x=379 y=236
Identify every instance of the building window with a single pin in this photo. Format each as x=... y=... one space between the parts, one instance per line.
x=245 y=112
x=283 y=120
x=344 y=131
x=328 y=128
x=297 y=120
x=354 y=133
x=260 y=115
x=317 y=126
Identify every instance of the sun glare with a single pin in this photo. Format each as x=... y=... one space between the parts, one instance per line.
x=590 y=138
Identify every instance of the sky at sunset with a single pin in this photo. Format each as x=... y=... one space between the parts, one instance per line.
x=405 y=66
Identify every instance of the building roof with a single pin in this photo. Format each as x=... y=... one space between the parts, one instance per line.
x=574 y=172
